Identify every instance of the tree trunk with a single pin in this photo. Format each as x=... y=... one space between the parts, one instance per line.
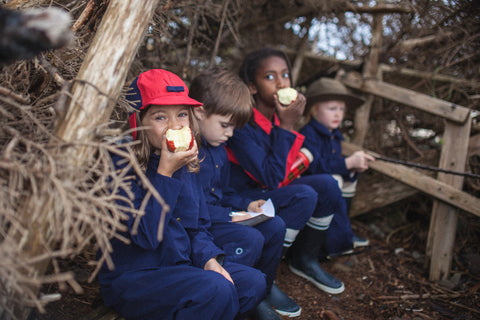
x=94 y=94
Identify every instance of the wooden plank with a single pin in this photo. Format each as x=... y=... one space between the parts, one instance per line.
x=443 y=221
x=438 y=107
x=414 y=178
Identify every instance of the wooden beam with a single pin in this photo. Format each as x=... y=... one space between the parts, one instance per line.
x=414 y=178
x=438 y=107
x=385 y=68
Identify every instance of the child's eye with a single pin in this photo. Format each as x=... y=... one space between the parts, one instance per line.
x=160 y=118
x=286 y=75
x=226 y=125
x=183 y=114
x=270 y=77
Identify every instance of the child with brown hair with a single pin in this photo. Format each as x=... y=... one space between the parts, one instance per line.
x=227 y=104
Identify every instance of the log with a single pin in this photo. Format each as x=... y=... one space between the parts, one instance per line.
x=94 y=94
x=414 y=178
x=438 y=107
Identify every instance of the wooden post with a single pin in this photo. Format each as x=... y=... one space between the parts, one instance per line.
x=94 y=94
x=443 y=221
x=362 y=114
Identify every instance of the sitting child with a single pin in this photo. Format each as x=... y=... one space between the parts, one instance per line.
x=227 y=104
x=326 y=102
x=181 y=277
x=262 y=153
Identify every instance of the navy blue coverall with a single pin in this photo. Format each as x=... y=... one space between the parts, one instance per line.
x=259 y=246
x=262 y=154
x=166 y=280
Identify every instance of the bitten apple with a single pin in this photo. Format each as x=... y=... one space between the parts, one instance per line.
x=179 y=140
x=287 y=95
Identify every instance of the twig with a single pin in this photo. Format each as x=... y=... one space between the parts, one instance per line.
x=220 y=30
x=87 y=11
x=464 y=307
x=419 y=296
x=15 y=96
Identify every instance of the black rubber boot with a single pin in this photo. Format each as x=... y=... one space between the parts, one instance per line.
x=264 y=311
x=303 y=260
x=282 y=303
x=356 y=240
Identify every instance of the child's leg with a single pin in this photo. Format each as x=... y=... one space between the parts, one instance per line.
x=273 y=231
x=349 y=189
x=295 y=205
x=241 y=244
x=181 y=292
x=250 y=284
x=303 y=259
x=339 y=234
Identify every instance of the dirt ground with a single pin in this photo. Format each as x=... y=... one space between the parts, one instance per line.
x=388 y=280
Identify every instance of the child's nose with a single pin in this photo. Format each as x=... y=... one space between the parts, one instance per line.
x=174 y=124
x=229 y=132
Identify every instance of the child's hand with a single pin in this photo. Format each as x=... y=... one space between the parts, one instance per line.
x=213 y=265
x=172 y=161
x=289 y=115
x=358 y=161
x=240 y=216
x=255 y=206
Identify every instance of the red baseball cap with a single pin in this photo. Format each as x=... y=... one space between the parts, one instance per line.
x=158 y=87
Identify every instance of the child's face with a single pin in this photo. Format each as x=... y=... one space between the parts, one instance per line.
x=329 y=113
x=271 y=76
x=215 y=129
x=161 y=118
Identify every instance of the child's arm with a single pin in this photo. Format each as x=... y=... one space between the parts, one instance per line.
x=145 y=234
x=289 y=115
x=358 y=161
x=265 y=156
x=203 y=246
x=170 y=162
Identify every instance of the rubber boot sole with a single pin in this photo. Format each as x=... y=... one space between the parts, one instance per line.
x=289 y=314
x=316 y=283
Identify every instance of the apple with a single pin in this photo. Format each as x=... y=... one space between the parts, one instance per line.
x=179 y=140
x=287 y=95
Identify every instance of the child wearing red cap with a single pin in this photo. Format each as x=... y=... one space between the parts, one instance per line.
x=183 y=276
x=228 y=105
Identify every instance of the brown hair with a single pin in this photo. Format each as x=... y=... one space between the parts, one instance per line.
x=224 y=93
x=143 y=150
